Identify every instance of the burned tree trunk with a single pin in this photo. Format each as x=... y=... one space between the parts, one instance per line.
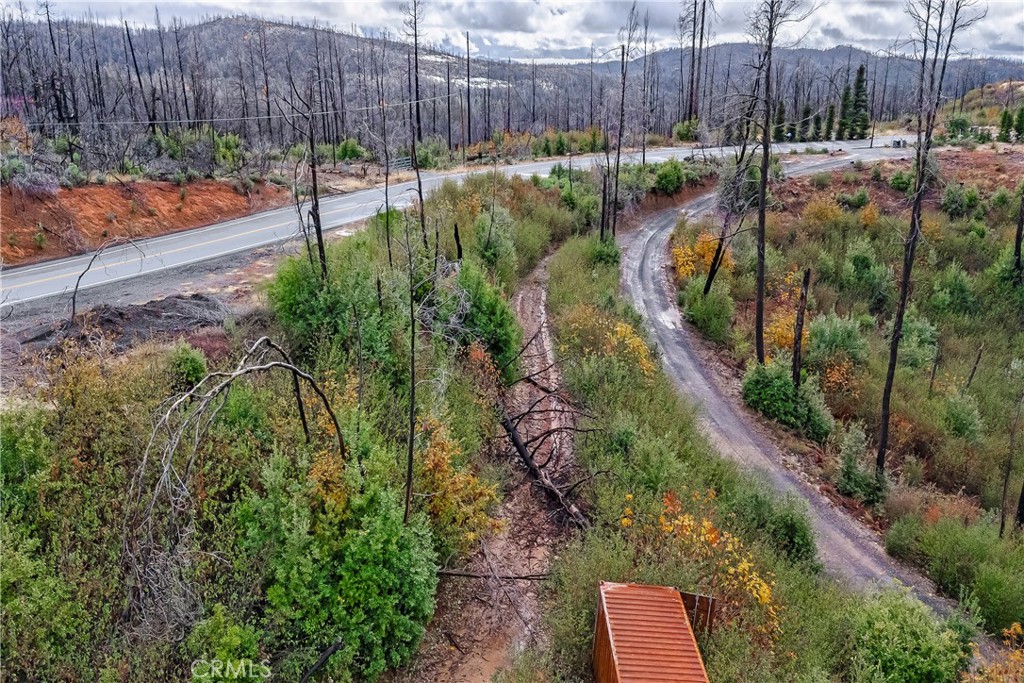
x=1018 y=264
x=799 y=331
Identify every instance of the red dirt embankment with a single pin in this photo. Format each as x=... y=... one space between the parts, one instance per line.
x=81 y=219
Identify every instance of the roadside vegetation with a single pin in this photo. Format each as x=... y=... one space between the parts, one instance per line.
x=950 y=496
x=668 y=510
x=218 y=519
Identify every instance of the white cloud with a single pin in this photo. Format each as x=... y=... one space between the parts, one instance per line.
x=550 y=30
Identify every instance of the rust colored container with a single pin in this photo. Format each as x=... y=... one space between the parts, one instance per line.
x=643 y=635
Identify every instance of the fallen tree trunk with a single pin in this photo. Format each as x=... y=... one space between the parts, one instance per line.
x=542 y=478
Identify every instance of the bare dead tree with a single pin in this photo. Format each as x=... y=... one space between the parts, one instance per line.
x=1018 y=241
x=416 y=168
x=628 y=34
x=1008 y=467
x=734 y=195
x=937 y=23
x=109 y=244
x=766 y=19
x=378 y=69
x=411 y=10
x=799 y=329
x=155 y=548
x=1019 y=522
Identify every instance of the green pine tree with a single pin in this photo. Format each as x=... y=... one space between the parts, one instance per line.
x=830 y=123
x=860 y=119
x=816 y=128
x=805 y=122
x=1005 y=126
x=845 y=107
x=780 y=121
x=1019 y=125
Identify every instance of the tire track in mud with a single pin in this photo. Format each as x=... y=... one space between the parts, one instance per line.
x=485 y=622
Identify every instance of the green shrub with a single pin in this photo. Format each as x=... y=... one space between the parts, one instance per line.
x=972 y=558
x=221 y=638
x=495 y=245
x=876 y=173
x=604 y=253
x=367 y=581
x=919 y=340
x=952 y=290
x=24 y=451
x=901 y=182
x=42 y=622
x=188 y=366
x=857 y=200
x=821 y=180
x=834 y=338
x=896 y=639
x=11 y=168
x=686 y=131
x=430 y=153
x=769 y=389
x=959 y=201
x=490 y=318
x=711 y=314
x=73 y=176
x=1000 y=593
x=784 y=524
x=961 y=418
x=855 y=480
x=864 y=275
x=669 y=177
x=901 y=541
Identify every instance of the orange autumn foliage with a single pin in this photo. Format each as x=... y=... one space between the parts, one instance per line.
x=454 y=497
x=729 y=571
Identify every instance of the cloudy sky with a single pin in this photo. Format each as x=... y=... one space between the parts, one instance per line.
x=553 y=30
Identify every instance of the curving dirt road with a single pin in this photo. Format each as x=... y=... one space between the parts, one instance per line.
x=850 y=552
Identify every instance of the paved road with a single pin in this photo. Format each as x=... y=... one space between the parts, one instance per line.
x=55 y=278
x=848 y=550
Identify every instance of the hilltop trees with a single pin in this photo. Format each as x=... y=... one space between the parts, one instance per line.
x=854 y=113
x=1005 y=126
x=861 y=118
x=779 y=128
x=830 y=123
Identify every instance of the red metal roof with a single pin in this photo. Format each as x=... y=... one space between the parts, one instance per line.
x=650 y=634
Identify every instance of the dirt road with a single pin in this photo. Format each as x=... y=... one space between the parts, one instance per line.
x=850 y=552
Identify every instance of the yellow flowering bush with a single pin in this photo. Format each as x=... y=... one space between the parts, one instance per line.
x=704 y=249
x=822 y=211
x=690 y=259
x=592 y=331
x=728 y=569
x=781 y=331
x=869 y=215
x=623 y=340
x=685 y=261
x=840 y=378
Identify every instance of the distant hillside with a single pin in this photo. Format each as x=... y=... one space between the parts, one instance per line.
x=983 y=106
x=244 y=74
